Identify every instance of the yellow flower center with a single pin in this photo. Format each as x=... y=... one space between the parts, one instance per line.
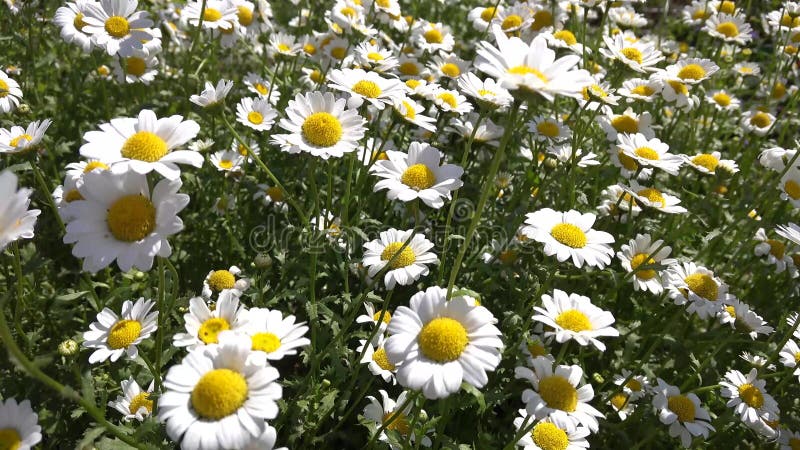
x=18 y=140
x=443 y=339
x=124 y=333
x=594 y=90
x=450 y=69
x=558 y=393
x=210 y=329
x=322 y=129
x=701 y=14
x=72 y=196
x=367 y=88
x=751 y=395
x=263 y=90
x=486 y=93
x=309 y=48
x=211 y=15
x=375 y=56
x=682 y=407
x=760 y=120
x=722 y=99
x=702 y=285
x=399 y=424
x=541 y=19
x=527 y=70
x=275 y=193
x=386 y=316
x=348 y=12
x=10 y=439
x=448 y=98
x=135 y=66
x=413 y=84
x=547 y=128
x=794 y=443
x=776 y=248
x=627 y=162
x=779 y=90
x=117 y=26
x=433 y=36
x=78 y=22
x=574 y=320
x=382 y=360
x=220 y=280
x=338 y=52
x=535 y=348
x=644 y=274
x=219 y=393
x=678 y=87
x=488 y=13
x=632 y=53
x=408 y=68
x=405 y=257
x=565 y=36
x=226 y=164
x=512 y=21
x=92 y=165
x=727 y=7
x=144 y=146
x=797 y=357
x=647 y=153
x=418 y=177
x=706 y=160
x=643 y=90
x=692 y=72
x=728 y=29
x=266 y=342
x=634 y=385
x=316 y=76
x=131 y=218
x=792 y=189
x=255 y=118
x=625 y=124
x=141 y=399
x=548 y=436
x=569 y=235
x=410 y=111
x=653 y=195
x=245 y=15
x=619 y=400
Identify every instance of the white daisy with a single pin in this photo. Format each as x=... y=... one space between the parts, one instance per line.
x=21 y=140
x=627 y=122
x=651 y=197
x=272 y=195
x=643 y=251
x=374 y=57
x=649 y=152
x=487 y=133
x=574 y=317
x=546 y=128
x=557 y=391
x=227 y=160
x=216 y=14
x=448 y=66
x=70 y=18
x=683 y=413
x=412 y=111
x=692 y=70
x=112 y=335
x=119 y=218
x=144 y=144
x=565 y=154
x=319 y=124
x=556 y=431
x=366 y=86
x=432 y=37
x=274 y=336
x=262 y=87
x=16 y=220
x=379 y=411
x=215 y=398
x=211 y=95
x=773 y=250
x=218 y=281
x=372 y=315
x=708 y=163
x=134 y=403
x=417 y=174
x=284 y=44
x=570 y=235
x=723 y=100
x=618 y=203
x=640 y=56
x=406 y=265
x=790 y=356
x=729 y=28
x=640 y=89
x=19 y=425
x=790 y=440
x=757 y=122
x=486 y=92
x=438 y=343
x=741 y=317
x=137 y=67
x=257 y=113
x=203 y=325
x=376 y=360
x=116 y=25
x=696 y=285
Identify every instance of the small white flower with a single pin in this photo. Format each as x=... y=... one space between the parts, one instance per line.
x=112 y=335
x=748 y=396
x=203 y=325
x=134 y=403
x=257 y=113
x=569 y=235
x=20 y=424
x=574 y=317
x=683 y=413
x=696 y=285
x=218 y=281
x=274 y=336
x=649 y=152
x=212 y=95
x=406 y=265
x=379 y=411
x=643 y=251
x=16 y=221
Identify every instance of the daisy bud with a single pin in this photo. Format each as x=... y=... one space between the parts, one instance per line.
x=24 y=108
x=263 y=261
x=550 y=163
x=138 y=275
x=326 y=383
x=598 y=378
x=68 y=348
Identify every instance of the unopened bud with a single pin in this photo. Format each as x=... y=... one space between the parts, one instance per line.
x=68 y=348
x=263 y=261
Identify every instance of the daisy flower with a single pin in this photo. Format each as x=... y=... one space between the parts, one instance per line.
x=531 y=67
x=412 y=111
x=486 y=92
x=417 y=174
x=379 y=411
x=643 y=251
x=574 y=317
x=651 y=197
x=134 y=403
x=565 y=154
x=743 y=318
x=790 y=186
x=116 y=25
x=618 y=203
x=16 y=220
x=481 y=16
x=217 y=14
x=203 y=325
x=729 y=28
x=262 y=88
x=636 y=386
x=558 y=392
x=366 y=86
x=692 y=70
x=487 y=133
x=120 y=219
x=19 y=425
x=546 y=128
x=514 y=18
x=218 y=281
x=376 y=360
x=696 y=285
x=227 y=160
x=372 y=315
x=21 y=140
x=566 y=39
x=640 y=56
x=723 y=100
x=683 y=413
x=790 y=356
x=274 y=336
x=256 y=114
x=433 y=37
x=640 y=89
x=211 y=95
x=649 y=152
x=138 y=67
x=449 y=100
x=556 y=431
x=437 y=343
x=773 y=250
x=449 y=66
x=319 y=124
x=10 y=93
x=272 y=195
x=790 y=440
x=70 y=18
x=757 y=122
x=406 y=265
x=570 y=235
x=372 y=56
x=217 y=398
x=748 y=396
x=112 y=335
x=144 y=144
x=708 y=163
x=409 y=67
x=627 y=122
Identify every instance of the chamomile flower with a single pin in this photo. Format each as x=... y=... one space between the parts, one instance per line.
x=366 y=86
x=216 y=14
x=696 y=285
x=21 y=140
x=221 y=280
x=618 y=203
x=120 y=219
x=19 y=425
x=262 y=88
x=113 y=336
x=227 y=160
x=448 y=66
x=272 y=195
x=274 y=336
x=634 y=387
x=256 y=114
x=433 y=37
x=790 y=186
x=372 y=56
x=437 y=343
x=683 y=413
x=10 y=93
x=487 y=132
x=566 y=39
x=557 y=391
x=627 y=122
x=376 y=360
x=569 y=235
x=692 y=70
x=651 y=197
x=70 y=18
x=116 y=25
x=486 y=92
x=748 y=396
x=546 y=128
x=320 y=125
x=411 y=111
x=139 y=66
x=284 y=44
x=379 y=411
x=757 y=122
x=373 y=315
x=565 y=154
x=643 y=251
x=709 y=163
x=790 y=356
x=451 y=101
x=406 y=265
x=556 y=431
x=723 y=100
x=772 y=250
x=216 y=398
x=144 y=144
x=640 y=89
x=417 y=174
x=134 y=403
x=16 y=220
x=649 y=152
x=640 y=56
x=203 y=325
x=729 y=28
x=211 y=95
x=743 y=318
x=574 y=317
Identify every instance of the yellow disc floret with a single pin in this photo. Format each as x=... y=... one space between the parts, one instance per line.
x=380 y=358
x=569 y=235
x=558 y=393
x=692 y=72
x=443 y=339
x=625 y=124
x=219 y=393
x=654 y=196
x=547 y=436
x=404 y=258
x=728 y=29
x=702 y=285
x=574 y=320
x=210 y=329
x=211 y=15
x=131 y=218
x=266 y=342
x=221 y=279
x=367 y=88
x=255 y=117
x=144 y=146
x=632 y=53
x=682 y=406
x=647 y=153
x=707 y=161
x=117 y=26
x=141 y=399
x=418 y=177
x=751 y=395
x=322 y=129
x=10 y=439
x=643 y=259
x=124 y=333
